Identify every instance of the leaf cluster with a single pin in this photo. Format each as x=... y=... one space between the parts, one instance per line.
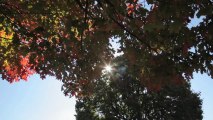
x=70 y=39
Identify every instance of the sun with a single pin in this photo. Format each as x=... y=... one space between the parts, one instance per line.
x=108 y=68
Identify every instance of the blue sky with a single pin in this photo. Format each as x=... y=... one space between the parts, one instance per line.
x=203 y=84
x=35 y=99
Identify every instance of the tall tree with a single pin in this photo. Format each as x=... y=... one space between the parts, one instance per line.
x=121 y=96
x=70 y=39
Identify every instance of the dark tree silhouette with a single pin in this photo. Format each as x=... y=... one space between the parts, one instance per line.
x=121 y=96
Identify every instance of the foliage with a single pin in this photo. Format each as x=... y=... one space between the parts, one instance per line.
x=69 y=39
x=121 y=96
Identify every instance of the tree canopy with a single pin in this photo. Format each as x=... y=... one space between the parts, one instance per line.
x=70 y=39
x=121 y=96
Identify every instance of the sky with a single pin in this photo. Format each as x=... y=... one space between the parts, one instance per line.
x=35 y=99
x=204 y=85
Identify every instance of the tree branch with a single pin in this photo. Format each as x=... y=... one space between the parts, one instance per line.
x=125 y=28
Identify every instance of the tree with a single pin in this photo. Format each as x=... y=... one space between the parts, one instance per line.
x=121 y=96
x=70 y=39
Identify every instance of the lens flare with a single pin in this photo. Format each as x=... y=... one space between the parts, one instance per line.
x=108 y=68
